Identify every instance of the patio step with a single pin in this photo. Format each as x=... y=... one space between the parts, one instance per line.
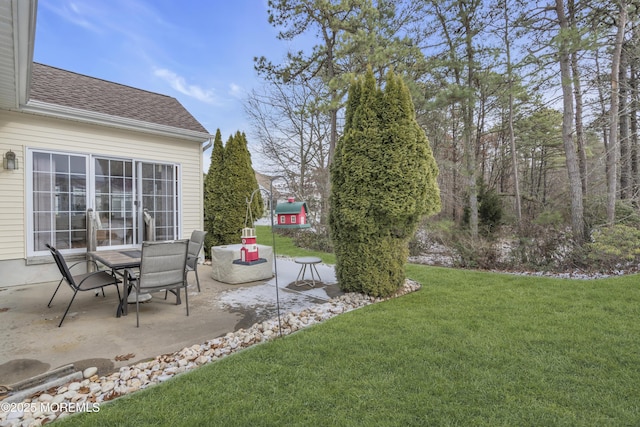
x=53 y=378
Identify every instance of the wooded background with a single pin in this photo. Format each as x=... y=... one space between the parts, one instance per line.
x=535 y=102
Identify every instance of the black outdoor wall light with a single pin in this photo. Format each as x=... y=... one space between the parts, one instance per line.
x=9 y=161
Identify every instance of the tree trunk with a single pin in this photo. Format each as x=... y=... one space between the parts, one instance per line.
x=577 y=92
x=625 y=149
x=575 y=184
x=612 y=152
x=633 y=113
x=512 y=138
x=470 y=160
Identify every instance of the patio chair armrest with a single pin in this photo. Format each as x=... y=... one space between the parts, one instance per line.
x=99 y=272
x=131 y=275
x=91 y=261
x=83 y=262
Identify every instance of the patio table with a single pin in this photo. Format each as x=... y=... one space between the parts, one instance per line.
x=119 y=259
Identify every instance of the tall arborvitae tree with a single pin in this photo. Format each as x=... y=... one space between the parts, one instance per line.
x=251 y=184
x=229 y=184
x=240 y=182
x=214 y=195
x=383 y=184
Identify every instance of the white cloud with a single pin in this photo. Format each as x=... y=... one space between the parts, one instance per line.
x=236 y=91
x=179 y=83
x=75 y=14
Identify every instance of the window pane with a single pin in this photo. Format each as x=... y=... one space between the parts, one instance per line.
x=62 y=240
x=41 y=182
x=42 y=162
x=117 y=168
x=102 y=184
x=78 y=229
x=61 y=163
x=62 y=183
x=102 y=167
x=147 y=170
x=78 y=203
x=42 y=221
x=62 y=202
x=149 y=203
x=117 y=185
x=78 y=183
x=40 y=240
x=78 y=165
x=147 y=186
x=42 y=202
x=102 y=203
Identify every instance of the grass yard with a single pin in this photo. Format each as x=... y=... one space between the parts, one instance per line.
x=470 y=349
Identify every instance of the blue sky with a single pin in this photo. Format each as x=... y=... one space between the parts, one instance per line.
x=198 y=51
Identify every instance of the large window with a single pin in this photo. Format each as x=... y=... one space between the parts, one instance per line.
x=59 y=183
x=64 y=186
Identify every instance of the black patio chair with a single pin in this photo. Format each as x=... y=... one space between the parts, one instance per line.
x=81 y=282
x=162 y=268
x=195 y=246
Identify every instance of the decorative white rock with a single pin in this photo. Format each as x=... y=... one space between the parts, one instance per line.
x=89 y=372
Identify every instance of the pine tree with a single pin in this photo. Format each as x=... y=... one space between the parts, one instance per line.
x=257 y=205
x=239 y=183
x=214 y=195
x=383 y=184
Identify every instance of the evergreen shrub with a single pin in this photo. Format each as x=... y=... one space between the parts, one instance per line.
x=383 y=182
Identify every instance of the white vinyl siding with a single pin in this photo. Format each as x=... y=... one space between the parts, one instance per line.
x=22 y=131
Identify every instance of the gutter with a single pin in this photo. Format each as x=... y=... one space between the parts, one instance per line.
x=209 y=144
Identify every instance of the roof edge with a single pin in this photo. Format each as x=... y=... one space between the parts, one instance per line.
x=58 y=111
x=24 y=30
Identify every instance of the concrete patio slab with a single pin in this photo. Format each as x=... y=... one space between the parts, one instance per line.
x=32 y=345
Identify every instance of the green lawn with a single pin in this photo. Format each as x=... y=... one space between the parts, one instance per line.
x=469 y=349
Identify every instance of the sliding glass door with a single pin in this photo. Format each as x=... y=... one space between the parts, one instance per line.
x=64 y=186
x=159 y=198
x=114 y=196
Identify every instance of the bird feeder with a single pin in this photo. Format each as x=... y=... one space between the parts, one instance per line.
x=292 y=214
x=249 y=250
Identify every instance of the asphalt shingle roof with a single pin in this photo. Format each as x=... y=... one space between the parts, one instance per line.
x=69 y=89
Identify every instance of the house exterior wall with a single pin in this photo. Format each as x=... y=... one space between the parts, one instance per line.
x=20 y=131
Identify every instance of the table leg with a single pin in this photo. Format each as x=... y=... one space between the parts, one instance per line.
x=303 y=273
x=313 y=266
x=313 y=279
x=123 y=308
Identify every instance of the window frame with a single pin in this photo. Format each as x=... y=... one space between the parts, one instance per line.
x=90 y=197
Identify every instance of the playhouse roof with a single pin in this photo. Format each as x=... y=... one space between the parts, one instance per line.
x=291 y=208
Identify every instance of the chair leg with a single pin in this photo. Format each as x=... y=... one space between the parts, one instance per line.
x=75 y=292
x=197 y=278
x=55 y=292
x=186 y=298
x=137 y=310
